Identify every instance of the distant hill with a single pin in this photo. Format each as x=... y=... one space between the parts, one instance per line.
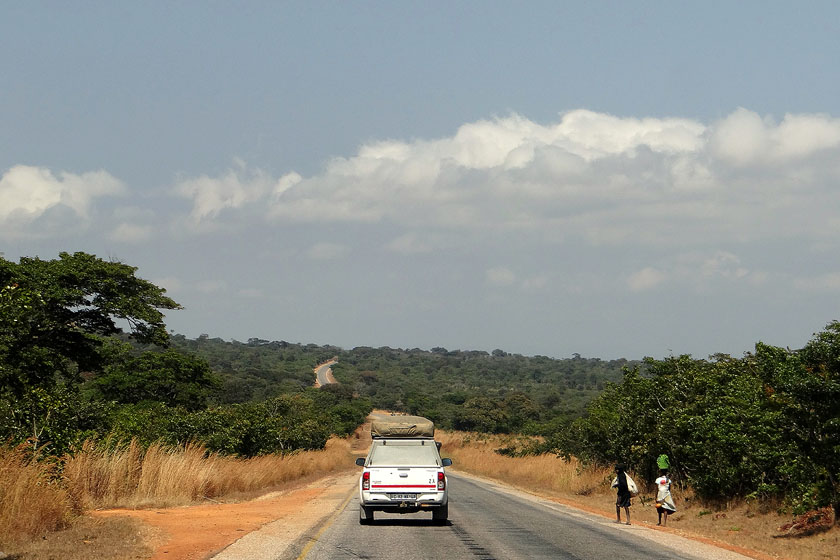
x=494 y=392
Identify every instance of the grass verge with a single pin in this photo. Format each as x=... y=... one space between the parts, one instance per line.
x=41 y=505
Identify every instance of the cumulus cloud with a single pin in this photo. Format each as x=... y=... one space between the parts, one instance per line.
x=723 y=264
x=132 y=233
x=236 y=189
x=745 y=138
x=28 y=193
x=647 y=278
x=500 y=276
x=590 y=177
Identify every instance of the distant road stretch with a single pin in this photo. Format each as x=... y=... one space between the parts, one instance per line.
x=323 y=374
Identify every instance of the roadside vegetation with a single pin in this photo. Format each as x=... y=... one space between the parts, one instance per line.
x=764 y=427
x=750 y=525
x=97 y=407
x=39 y=498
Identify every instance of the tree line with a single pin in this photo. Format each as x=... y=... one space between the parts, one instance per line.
x=495 y=392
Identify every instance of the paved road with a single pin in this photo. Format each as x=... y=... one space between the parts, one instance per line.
x=491 y=522
x=324 y=373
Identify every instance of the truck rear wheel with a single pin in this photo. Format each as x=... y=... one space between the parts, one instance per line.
x=441 y=514
x=365 y=515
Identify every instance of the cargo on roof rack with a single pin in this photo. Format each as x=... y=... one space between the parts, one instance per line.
x=402 y=426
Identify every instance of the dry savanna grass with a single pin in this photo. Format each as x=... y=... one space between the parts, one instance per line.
x=163 y=476
x=757 y=526
x=476 y=453
x=36 y=500
x=32 y=498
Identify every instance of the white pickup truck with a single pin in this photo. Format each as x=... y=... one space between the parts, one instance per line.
x=403 y=474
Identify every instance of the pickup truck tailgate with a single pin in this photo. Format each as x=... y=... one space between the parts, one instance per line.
x=403 y=479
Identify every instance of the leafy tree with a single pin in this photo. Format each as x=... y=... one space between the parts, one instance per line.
x=716 y=428
x=167 y=376
x=710 y=417
x=54 y=315
x=804 y=387
x=482 y=414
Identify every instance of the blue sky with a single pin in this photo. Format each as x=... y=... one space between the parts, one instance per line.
x=605 y=178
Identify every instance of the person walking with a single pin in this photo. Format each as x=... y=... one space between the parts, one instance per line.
x=664 y=501
x=625 y=490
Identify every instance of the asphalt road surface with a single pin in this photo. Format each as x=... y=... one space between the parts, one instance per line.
x=323 y=372
x=491 y=522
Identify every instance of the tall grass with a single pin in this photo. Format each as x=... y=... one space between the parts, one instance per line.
x=32 y=498
x=476 y=453
x=165 y=476
x=36 y=497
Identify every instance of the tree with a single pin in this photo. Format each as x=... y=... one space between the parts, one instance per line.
x=54 y=318
x=166 y=376
x=805 y=387
x=54 y=315
x=482 y=414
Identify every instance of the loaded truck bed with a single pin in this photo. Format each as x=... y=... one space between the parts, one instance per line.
x=403 y=474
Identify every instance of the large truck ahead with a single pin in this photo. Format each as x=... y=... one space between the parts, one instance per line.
x=403 y=471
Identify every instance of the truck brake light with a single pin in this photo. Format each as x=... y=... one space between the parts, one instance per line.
x=441 y=481
x=366 y=480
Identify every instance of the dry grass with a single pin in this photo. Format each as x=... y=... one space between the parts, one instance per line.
x=32 y=500
x=119 y=538
x=476 y=453
x=749 y=525
x=163 y=476
x=35 y=500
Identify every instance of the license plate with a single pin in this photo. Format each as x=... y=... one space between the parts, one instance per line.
x=403 y=496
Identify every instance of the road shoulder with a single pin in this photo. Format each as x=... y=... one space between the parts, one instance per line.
x=296 y=526
x=675 y=539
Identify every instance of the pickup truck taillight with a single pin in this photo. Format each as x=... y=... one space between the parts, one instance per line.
x=441 y=481
x=366 y=481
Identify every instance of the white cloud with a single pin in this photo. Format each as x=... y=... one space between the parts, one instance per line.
x=500 y=276
x=723 y=264
x=819 y=283
x=697 y=271
x=132 y=233
x=646 y=279
x=27 y=193
x=594 y=178
x=745 y=138
x=234 y=190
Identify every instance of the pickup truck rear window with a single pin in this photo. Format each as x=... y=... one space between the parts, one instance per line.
x=404 y=456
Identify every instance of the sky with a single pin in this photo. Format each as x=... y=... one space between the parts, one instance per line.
x=609 y=179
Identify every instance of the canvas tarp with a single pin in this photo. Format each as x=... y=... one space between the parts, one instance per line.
x=402 y=426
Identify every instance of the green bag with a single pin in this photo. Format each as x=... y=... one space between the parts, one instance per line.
x=662 y=462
